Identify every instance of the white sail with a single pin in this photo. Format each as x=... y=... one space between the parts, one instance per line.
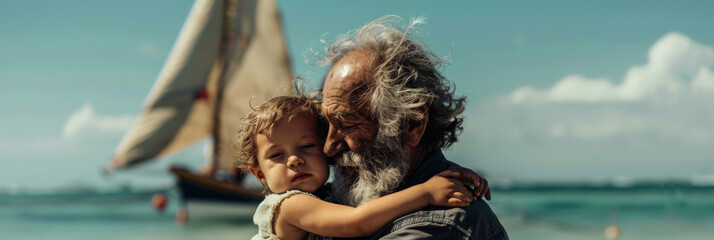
x=257 y=70
x=233 y=51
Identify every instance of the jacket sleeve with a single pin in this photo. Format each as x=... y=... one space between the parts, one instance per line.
x=475 y=222
x=425 y=230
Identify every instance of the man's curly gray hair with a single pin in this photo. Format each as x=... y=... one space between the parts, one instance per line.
x=406 y=79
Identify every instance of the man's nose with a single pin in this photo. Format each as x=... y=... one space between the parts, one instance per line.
x=334 y=143
x=295 y=161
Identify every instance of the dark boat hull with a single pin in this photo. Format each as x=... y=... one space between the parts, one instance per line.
x=193 y=187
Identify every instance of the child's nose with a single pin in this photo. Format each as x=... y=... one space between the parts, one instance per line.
x=295 y=161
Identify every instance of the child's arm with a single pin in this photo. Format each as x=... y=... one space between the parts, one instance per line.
x=470 y=177
x=323 y=218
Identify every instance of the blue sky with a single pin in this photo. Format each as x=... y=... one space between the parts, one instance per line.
x=545 y=83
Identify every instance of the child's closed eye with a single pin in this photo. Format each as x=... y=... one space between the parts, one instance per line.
x=275 y=155
x=310 y=148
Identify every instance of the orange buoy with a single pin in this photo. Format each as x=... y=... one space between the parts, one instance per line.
x=612 y=232
x=159 y=201
x=181 y=216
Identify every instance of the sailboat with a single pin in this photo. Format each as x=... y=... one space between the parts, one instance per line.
x=229 y=55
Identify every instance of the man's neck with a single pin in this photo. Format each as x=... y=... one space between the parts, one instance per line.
x=416 y=158
x=424 y=166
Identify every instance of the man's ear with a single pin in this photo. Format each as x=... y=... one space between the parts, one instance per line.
x=414 y=130
x=258 y=173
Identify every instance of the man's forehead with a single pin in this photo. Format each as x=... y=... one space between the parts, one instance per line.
x=340 y=72
x=354 y=69
x=345 y=85
x=348 y=92
x=336 y=107
x=345 y=103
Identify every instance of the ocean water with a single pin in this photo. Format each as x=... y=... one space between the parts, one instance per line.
x=671 y=212
x=665 y=212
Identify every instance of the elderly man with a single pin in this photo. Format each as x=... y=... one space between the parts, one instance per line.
x=390 y=113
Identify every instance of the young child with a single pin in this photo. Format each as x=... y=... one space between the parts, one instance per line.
x=281 y=145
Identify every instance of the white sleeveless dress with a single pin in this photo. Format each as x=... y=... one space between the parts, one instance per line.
x=265 y=214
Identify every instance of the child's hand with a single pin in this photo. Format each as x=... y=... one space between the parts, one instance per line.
x=445 y=189
x=469 y=177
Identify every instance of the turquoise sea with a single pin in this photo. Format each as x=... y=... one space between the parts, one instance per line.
x=654 y=211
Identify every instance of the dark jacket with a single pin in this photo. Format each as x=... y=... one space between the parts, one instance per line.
x=474 y=222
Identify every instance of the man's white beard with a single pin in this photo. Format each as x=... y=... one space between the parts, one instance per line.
x=374 y=172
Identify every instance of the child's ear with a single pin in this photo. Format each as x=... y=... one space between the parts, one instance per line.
x=258 y=174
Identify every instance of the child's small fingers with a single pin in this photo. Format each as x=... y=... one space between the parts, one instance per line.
x=458 y=202
x=462 y=196
x=450 y=174
x=488 y=195
x=460 y=190
x=455 y=201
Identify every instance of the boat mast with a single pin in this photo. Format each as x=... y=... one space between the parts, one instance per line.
x=229 y=16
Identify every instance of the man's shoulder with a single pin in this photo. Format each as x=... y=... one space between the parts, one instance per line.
x=474 y=222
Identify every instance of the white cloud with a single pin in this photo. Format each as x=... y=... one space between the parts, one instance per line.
x=704 y=81
x=581 y=141
x=611 y=126
x=86 y=120
x=673 y=62
x=655 y=124
x=80 y=154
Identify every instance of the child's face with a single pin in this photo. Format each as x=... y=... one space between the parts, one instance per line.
x=290 y=156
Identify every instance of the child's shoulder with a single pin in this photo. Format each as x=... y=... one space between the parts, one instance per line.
x=289 y=193
x=274 y=199
x=266 y=210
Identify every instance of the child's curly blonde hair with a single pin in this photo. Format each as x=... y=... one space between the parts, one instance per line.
x=264 y=117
